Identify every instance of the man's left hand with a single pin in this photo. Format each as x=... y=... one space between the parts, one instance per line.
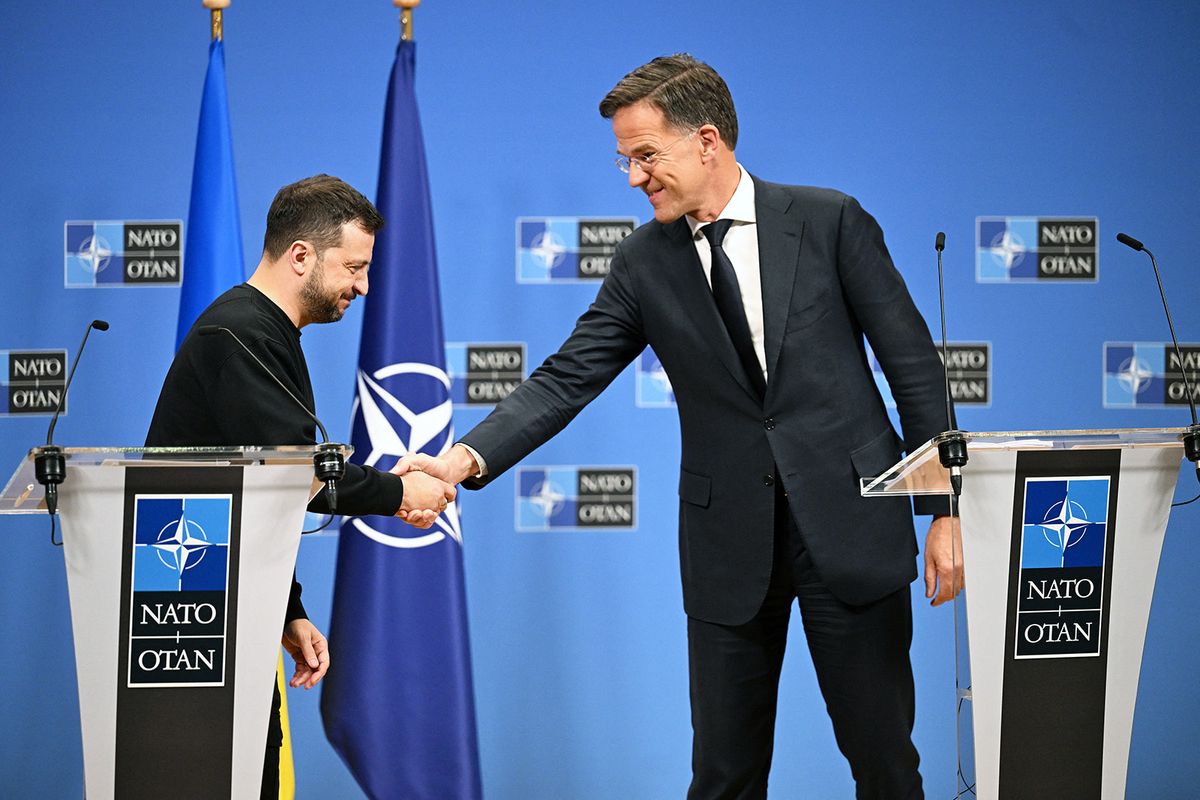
x=943 y=560
x=309 y=649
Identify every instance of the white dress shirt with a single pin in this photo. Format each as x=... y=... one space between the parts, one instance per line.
x=741 y=245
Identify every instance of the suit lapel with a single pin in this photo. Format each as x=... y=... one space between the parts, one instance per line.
x=696 y=300
x=780 y=230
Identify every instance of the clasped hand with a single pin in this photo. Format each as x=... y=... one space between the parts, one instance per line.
x=425 y=497
x=421 y=469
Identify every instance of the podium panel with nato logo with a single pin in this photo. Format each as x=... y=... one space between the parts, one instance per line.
x=1061 y=537
x=179 y=563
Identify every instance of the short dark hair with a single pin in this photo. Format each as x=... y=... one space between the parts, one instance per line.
x=689 y=93
x=315 y=209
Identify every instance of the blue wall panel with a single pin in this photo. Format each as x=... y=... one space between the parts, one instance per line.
x=931 y=114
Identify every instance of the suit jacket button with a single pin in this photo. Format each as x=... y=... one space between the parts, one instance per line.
x=769 y=423
x=768 y=480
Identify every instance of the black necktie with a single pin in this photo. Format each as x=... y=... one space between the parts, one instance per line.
x=728 y=295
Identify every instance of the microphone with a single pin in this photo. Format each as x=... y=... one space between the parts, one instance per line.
x=329 y=464
x=50 y=465
x=1129 y=241
x=952 y=445
x=1191 y=439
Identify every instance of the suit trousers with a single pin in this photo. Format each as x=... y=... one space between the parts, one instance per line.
x=861 y=658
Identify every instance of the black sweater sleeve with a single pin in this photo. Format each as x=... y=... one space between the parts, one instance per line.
x=364 y=490
x=252 y=409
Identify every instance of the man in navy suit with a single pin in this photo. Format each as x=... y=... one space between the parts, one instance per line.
x=756 y=298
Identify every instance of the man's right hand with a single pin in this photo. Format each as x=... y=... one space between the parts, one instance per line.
x=425 y=498
x=454 y=467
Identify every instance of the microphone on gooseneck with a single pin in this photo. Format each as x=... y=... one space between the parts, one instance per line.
x=50 y=464
x=1191 y=439
x=328 y=462
x=952 y=445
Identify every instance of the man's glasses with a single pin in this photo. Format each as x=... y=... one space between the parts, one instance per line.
x=646 y=161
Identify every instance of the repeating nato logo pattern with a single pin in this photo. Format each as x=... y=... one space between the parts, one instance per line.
x=1148 y=374
x=568 y=249
x=123 y=253
x=1063 y=542
x=484 y=373
x=32 y=381
x=1022 y=249
x=572 y=498
x=179 y=578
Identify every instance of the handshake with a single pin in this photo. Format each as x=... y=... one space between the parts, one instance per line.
x=429 y=483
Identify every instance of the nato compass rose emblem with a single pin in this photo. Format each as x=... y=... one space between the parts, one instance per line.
x=94 y=253
x=1008 y=248
x=1064 y=525
x=547 y=498
x=398 y=427
x=181 y=546
x=548 y=250
x=1134 y=375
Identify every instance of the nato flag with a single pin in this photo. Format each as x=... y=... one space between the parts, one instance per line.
x=212 y=261
x=399 y=707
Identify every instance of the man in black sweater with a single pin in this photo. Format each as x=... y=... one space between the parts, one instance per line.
x=316 y=254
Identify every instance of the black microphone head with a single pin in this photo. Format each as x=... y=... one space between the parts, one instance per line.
x=940 y=243
x=99 y=324
x=1129 y=241
x=208 y=330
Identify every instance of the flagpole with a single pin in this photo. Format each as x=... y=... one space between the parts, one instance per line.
x=216 y=7
x=406 y=8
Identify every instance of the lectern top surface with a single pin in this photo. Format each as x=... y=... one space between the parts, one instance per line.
x=24 y=495
x=921 y=472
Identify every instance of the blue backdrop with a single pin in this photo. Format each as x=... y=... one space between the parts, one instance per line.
x=930 y=114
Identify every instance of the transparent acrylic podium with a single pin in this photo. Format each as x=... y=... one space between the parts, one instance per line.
x=1061 y=535
x=179 y=562
x=23 y=495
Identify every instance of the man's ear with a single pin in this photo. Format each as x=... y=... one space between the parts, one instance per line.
x=710 y=141
x=302 y=257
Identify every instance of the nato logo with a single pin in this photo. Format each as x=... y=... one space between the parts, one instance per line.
x=180 y=574
x=33 y=381
x=1149 y=374
x=403 y=408
x=568 y=249
x=1061 y=600
x=969 y=369
x=484 y=373
x=576 y=498
x=653 y=386
x=107 y=254
x=1034 y=249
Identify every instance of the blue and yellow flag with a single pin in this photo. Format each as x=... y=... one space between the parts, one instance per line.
x=399 y=706
x=212 y=260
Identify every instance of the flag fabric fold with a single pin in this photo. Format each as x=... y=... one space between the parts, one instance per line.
x=398 y=706
x=212 y=259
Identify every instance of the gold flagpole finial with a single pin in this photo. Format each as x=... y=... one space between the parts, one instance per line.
x=216 y=7
x=406 y=8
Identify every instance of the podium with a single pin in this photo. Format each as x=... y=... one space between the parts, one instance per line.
x=1061 y=536
x=179 y=563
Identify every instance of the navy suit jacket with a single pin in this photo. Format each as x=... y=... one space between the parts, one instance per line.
x=827 y=280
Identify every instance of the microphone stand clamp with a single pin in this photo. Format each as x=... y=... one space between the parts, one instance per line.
x=952 y=451
x=329 y=465
x=1191 y=446
x=50 y=468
